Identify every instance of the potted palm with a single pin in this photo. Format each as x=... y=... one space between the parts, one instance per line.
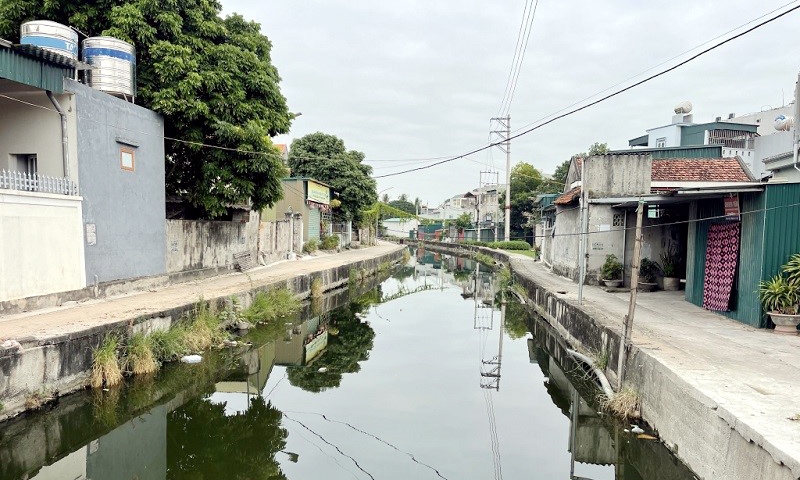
x=670 y=262
x=611 y=272
x=780 y=297
x=648 y=274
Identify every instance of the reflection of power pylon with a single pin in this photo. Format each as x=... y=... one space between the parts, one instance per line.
x=483 y=318
x=490 y=369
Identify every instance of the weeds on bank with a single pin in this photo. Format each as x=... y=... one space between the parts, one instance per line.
x=484 y=259
x=167 y=345
x=316 y=288
x=624 y=404
x=268 y=307
x=406 y=256
x=601 y=360
x=141 y=359
x=106 y=371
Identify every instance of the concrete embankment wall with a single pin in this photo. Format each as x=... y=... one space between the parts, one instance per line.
x=62 y=364
x=703 y=434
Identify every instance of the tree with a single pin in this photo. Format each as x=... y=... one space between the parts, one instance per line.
x=211 y=79
x=385 y=198
x=403 y=197
x=526 y=183
x=598 y=148
x=325 y=158
x=404 y=205
x=562 y=170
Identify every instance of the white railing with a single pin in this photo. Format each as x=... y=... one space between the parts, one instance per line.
x=27 y=182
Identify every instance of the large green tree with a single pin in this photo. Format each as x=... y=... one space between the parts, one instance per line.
x=597 y=148
x=211 y=78
x=325 y=158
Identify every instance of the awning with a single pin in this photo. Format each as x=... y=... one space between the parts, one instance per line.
x=680 y=195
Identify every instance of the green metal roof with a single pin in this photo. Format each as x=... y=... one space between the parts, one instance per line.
x=639 y=141
x=695 y=134
x=35 y=67
x=693 y=151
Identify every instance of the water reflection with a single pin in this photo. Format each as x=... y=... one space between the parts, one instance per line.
x=380 y=380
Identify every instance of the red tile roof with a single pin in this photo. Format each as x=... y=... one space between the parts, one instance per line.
x=699 y=170
x=568 y=197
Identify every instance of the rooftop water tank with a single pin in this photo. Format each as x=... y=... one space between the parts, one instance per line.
x=683 y=107
x=784 y=123
x=50 y=36
x=114 y=63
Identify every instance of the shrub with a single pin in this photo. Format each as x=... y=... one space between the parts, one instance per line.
x=329 y=242
x=512 y=245
x=106 y=371
x=648 y=270
x=611 y=269
x=310 y=246
x=484 y=259
x=779 y=295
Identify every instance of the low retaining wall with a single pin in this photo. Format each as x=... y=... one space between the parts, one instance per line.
x=62 y=364
x=699 y=431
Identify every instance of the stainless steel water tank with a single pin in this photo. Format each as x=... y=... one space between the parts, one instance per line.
x=50 y=36
x=114 y=63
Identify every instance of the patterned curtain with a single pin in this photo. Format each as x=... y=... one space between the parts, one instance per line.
x=722 y=256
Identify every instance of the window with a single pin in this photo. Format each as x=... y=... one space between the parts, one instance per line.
x=619 y=220
x=25 y=163
x=661 y=142
x=126 y=158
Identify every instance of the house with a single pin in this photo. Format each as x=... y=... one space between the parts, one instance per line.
x=692 y=206
x=81 y=179
x=309 y=202
x=725 y=137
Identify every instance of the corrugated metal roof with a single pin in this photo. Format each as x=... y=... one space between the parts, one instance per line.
x=31 y=67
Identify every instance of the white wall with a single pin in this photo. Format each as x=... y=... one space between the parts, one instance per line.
x=765 y=119
x=201 y=244
x=28 y=129
x=42 y=244
x=672 y=133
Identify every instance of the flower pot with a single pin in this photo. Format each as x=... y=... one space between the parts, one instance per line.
x=785 y=324
x=672 y=284
x=612 y=283
x=646 y=286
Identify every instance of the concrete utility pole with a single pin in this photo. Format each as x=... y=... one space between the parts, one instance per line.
x=584 y=232
x=627 y=323
x=505 y=145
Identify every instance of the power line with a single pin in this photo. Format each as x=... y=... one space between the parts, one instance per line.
x=602 y=99
x=522 y=58
x=520 y=35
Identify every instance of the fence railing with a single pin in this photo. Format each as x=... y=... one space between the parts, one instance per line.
x=32 y=182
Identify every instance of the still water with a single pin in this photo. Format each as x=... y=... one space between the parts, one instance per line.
x=422 y=376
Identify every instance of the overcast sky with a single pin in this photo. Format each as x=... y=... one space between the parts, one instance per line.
x=412 y=79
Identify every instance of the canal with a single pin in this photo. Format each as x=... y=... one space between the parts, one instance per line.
x=422 y=373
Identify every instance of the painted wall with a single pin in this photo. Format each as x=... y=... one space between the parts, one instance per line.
x=672 y=134
x=27 y=129
x=42 y=244
x=566 y=241
x=618 y=175
x=202 y=244
x=126 y=208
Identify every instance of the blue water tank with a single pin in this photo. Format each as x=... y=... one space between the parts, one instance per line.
x=50 y=36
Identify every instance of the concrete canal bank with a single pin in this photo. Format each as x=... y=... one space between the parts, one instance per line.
x=56 y=344
x=721 y=395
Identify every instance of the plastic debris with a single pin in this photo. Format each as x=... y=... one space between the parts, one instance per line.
x=322 y=369
x=191 y=359
x=230 y=343
x=636 y=429
x=645 y=436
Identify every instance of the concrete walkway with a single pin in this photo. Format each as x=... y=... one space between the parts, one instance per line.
x=37 y=326
x=750 y=377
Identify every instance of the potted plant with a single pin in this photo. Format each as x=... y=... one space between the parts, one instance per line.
x=780 y=297
x=611 y=272
x=670 y=262
x=648 y=273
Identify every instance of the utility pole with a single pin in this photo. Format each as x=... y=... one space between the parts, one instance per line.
x=505 y=145
x=627 y=323
x=582 y=254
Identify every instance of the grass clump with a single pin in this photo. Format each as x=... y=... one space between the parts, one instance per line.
x=141 y=359
x=316 y=288
x=484 y=259
x=624 y=404
x=268 y=307
x=384 y=267
x=329 y=242
x=353 y=276
x=406 y=256
x=106 y=371
x=167 y=345
x=601 y=360
x=310 y=246
x=204 y=330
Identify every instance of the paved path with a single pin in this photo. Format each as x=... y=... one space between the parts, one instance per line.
x=752 y=374
x=55 y=322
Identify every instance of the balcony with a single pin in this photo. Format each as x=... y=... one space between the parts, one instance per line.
x=33 y=182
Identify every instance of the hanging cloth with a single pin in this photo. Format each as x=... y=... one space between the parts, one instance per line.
x=722 y=256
